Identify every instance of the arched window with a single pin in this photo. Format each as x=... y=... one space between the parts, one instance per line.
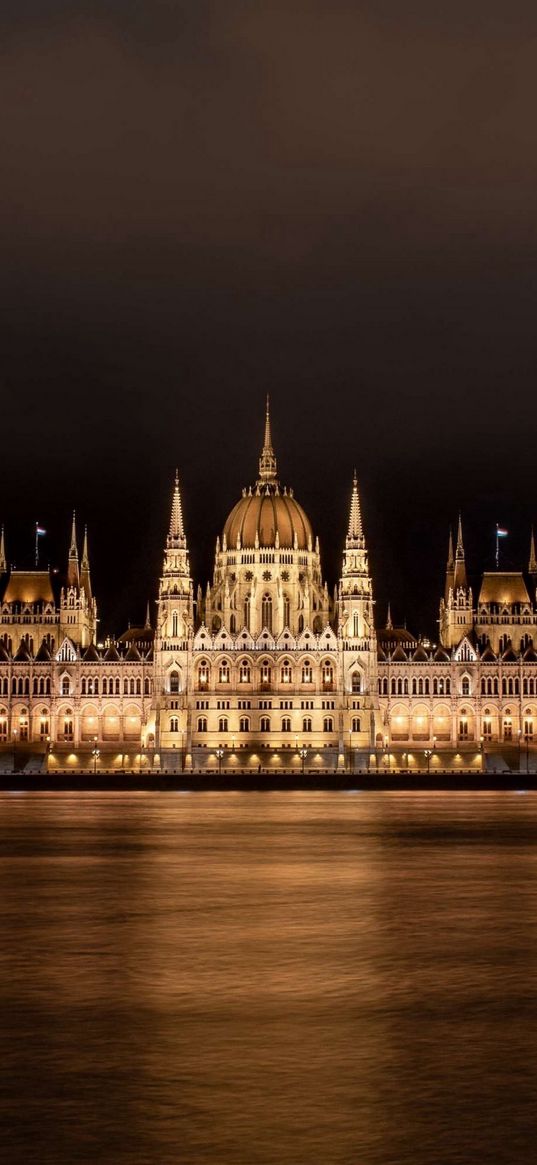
x=306 y=724
x=202 y=724
x=223 y=672
x=247 y=612
x=265 y=724
x=175 y=625
x=266 y=673
x=244 y=724
x=68 y=726
x=125 y=686
x=307 y=672
x=356 y=682
x=147 y=686
x=66 y=686
x=44 y=726
x=508 y=728
x=414 y=687
x=355 y=724
x=528 y=728
x=487 y=725
x=328 y=675
x=244 y=672
x=286 y=724
x=174 y=724
x=3 y=724
x=328 y=724
x=174 y=682
x=223 y=724
x=356 y=625
x=286 y=672
x=82 y=686
x=232 y=624
x=266 y=612
x=393 y=686
x=286 y=611
x=203 y=674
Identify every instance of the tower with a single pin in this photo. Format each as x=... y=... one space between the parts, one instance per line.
x=78 y=609
x=456 y=608
x=173 y=637
x=357 y=638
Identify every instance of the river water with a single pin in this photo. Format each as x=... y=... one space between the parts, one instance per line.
x=316 y=978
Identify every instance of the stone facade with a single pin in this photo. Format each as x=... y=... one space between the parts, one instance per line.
x=266 y=669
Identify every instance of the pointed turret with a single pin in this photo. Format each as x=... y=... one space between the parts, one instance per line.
x=85 y=577
x=3 y=562
x=355 y=535
x=389 y=621
x=532 y=565
x=176 y=536
x=459 y=572
x=147 y=623
x=268 y=469
x=73 y=577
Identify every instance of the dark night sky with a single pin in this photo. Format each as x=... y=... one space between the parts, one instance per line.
x=332 y=202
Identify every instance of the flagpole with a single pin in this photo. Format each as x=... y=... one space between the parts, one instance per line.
x=497 y=548
x=36 y=545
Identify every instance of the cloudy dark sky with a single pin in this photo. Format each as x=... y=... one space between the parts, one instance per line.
x=332 y=202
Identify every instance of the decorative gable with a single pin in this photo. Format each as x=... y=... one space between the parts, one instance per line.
x=67 y=652
x=465 y=653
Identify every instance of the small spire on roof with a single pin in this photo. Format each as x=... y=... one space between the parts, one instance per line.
x=73 y=578
x=451 y=556
x=389 y=623
x=148 y=615
x=85 y=578
x=532 y=565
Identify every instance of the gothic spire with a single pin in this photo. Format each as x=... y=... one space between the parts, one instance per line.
x=148 y=615
x=532 y=565
x=3 y=563
x=73 y=578
x=355 y=532
x=268 y=468
x=176 y=537
x=389 y=623
x=85 y=566
x=459 y=553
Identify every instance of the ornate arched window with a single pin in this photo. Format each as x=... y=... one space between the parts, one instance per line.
x=286 y=611
x=266 y=673
x=286 y=672
x=356 y=682
x=203 y=674
x=174 y=681
x=202 y=724
x=307 y=672
x=306 y=724
x=328 y=724
x=247 y=612
x=223 y=672
x=175 y=625
x=266 y=611
x=286 y=724
x=244 y=672
x=355 y=724
x=244 y=724
x=223 y=724
x=265 y=724
x=174 y=724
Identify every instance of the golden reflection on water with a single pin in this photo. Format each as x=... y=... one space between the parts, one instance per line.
x=262 y=978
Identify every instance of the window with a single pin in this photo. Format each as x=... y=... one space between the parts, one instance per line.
x=44 y=727
x=300 y=624
x=247 y=607
x=66 y=686
x=465 y=686
x=244 y=672
x=286 y=724
x=174 y=724
x=202 y=724
x=265 y=724
x=508 y=730
x=244 y=724
x=355 y=724
x=223 y=724
x=266 y=672
x=174 y=682
x=223 y=672
x=307 y=673
x=286 y=611
x=68 y=728
x=463 y=729
x=266 y=612
x=287 y=674
x=233 y=624
x=328 y=675
x=175 y=625
x=356 y=682
x=528 y=729
x=328 y=724
x=306 y=724
x=203 y=675
x=356 y=626
x=487 y=729
x=3 y=726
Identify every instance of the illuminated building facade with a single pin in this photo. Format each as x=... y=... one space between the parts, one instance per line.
x=266 y=669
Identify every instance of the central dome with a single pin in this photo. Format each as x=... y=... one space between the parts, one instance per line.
x=261 y=515
x=267 y=515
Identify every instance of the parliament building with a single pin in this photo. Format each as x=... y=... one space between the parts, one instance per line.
x=266 y=669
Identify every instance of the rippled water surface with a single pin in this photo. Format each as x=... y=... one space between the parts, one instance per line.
x=245 y=978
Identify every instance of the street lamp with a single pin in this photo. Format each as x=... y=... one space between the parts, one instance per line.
x=48 y=751
x=386 y=753
x=303 y=754
x=219 y=753
x=351 y=766
x=95 y=754
x=428 y=755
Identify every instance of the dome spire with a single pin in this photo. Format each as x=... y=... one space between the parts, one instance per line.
x=73 y=577
x=268 y=468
